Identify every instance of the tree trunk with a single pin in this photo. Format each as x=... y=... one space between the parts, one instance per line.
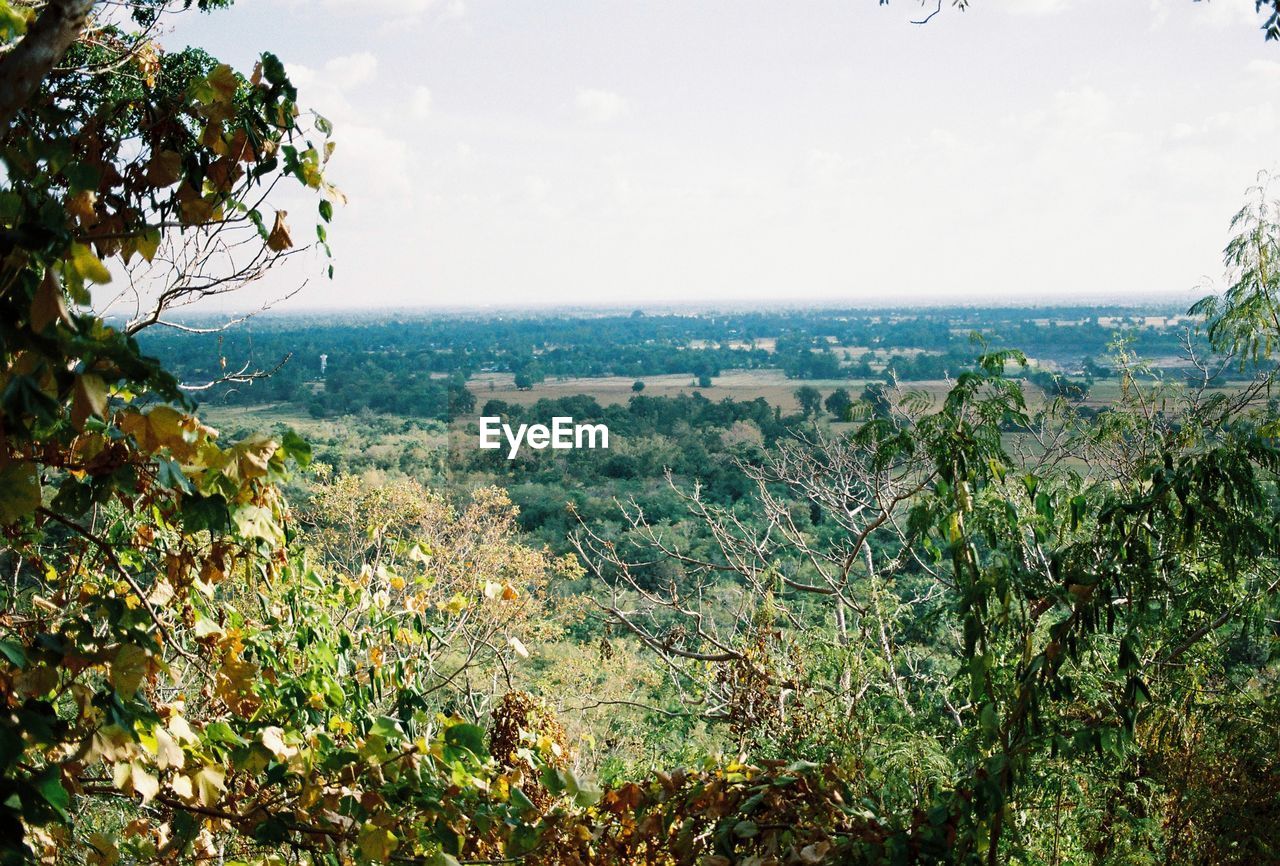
x=23 y=68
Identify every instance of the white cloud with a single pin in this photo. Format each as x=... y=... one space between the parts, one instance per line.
x=537 y=188
x=351 y=70
x=1218 y=13
x=383 y=7
x=1083 y=107
x=327 y=88
x=420 y=102
x=601 y=106
x=827 y=166
x=1267 y=70
x=370 y=165
x=1035 y=7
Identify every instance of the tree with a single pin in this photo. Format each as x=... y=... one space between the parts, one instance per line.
x=122 y=512
x=637 y=386
x=876 y=395
x=528 y=375
x=177 y=682
x=840 y=405
x=1075 y=616
x=809 y=398
x=704 y=380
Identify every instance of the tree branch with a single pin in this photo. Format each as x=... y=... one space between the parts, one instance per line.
x=23 y=68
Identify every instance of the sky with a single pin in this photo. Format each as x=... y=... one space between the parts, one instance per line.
x=500 y=153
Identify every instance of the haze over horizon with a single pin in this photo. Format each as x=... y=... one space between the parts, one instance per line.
x=293 y=308
x=631 y=155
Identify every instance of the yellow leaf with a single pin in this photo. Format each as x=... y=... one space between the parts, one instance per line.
x=161 y=593
x=253 y=455
x=48 y=304
x=164 y=169
x=815 y=853
x=223 y=80
x=273 y=739
x=212 y=138
x=87 y=265
x=181 y=730
x=279 y=240
x=128 y=668
x=88 y=398
x=376 y=843
x=165 y=427
x=194 y=210
x=148 y=242
x=132 y=777
x=110 y=743
x=235 y=681
x=168 y=752
x=209 y=783
x=182 y=787
x=104 y=851
x=81 y=206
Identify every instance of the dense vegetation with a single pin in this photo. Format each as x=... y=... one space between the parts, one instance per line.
x=419 y=366
x=977 y=624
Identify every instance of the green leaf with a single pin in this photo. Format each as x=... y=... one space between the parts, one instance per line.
x=19 y=492
x=297 y=448
x=585 y=797
x=977 y=679
x=15 y=652
x=73 y=499
x=469 y=737
x=148 y=243
x=521 y=802
x=989 y=720
x=221 y=732
x=387 y=728
x=49 y=785
x=10 y=202
x=82 y=176
x=13 y=24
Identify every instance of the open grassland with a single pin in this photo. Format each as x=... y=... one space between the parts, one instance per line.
x=379 y=439
x=772 y=385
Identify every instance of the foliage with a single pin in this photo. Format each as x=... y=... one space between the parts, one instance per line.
x=121 y=511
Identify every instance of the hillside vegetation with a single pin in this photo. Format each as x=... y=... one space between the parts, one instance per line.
x=985 y=621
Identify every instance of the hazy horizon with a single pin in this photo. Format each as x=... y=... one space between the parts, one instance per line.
x=729 y=306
